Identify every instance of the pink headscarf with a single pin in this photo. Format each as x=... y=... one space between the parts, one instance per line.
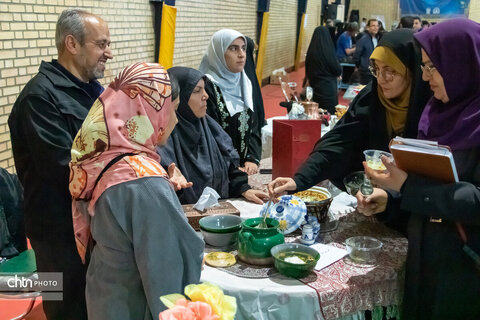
x=129 y=117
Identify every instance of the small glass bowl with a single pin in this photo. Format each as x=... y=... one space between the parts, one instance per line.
x=363 y=249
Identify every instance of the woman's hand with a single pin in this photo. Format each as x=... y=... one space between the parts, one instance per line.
x=177 y=179
x=279 y=186
x=393 y=178
x=255 y=196
x=250 y=168
x=373 y=204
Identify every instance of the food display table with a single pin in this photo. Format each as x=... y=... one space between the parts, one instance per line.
x=343 y=290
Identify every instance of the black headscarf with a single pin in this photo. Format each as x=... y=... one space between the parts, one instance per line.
x=321 y=59
x=201 y=149
x=402 y=43
x=252 y=75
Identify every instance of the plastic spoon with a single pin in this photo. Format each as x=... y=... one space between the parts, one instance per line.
x=263 y=223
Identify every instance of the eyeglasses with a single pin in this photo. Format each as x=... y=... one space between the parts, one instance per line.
x=102 y=44
x=428 y=69
x=387 y=75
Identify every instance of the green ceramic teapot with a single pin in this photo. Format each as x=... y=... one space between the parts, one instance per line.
x=254 y=244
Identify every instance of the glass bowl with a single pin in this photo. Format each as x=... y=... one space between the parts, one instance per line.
x=353 y=182
x=296 y=254
x=363 y=249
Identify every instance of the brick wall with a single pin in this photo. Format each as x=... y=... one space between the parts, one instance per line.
x=27 y=33
x=197 y=21
x=282 y=30
x=314 y=12
x=387 y=8
x=474 y=10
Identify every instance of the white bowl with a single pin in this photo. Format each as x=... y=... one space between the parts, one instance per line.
x=219 y=239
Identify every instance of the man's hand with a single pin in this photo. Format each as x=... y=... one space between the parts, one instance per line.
x=393 y=178
x=250 y=168
x=373 y=204
x=279 y=186
x=177 y=179
x=255 y=196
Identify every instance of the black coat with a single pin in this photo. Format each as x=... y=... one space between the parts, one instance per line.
x=43 y=123
x=200 y=148
x=441 y=280
x=322 y=69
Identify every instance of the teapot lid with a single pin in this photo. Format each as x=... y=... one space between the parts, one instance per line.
x=289 y=212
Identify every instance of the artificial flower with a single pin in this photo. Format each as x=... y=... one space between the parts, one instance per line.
x=222 y=305
x=189 y=310
x=207 y=303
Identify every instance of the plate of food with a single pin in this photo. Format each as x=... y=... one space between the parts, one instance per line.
x=220 y=259
x=317 y=201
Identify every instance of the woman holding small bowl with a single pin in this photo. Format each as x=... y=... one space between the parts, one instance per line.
x=443 y=266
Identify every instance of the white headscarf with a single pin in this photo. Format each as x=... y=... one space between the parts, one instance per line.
x=236 y=87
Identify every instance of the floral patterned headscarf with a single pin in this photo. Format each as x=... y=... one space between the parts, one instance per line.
x=129 y=117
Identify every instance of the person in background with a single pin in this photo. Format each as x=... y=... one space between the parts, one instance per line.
x=44 y=120
x=231 y=96
x=345 y=47
x=406 y=22
x=390 y=105
x=364 y=49
x=417 y=23
x=425 y=25
x=200 y=148
x=322 y=69
x=363 y=24
x=442 y=280
x=331 y=29
x=250 y=70
x=381 y=29
x=12 y=228
x=143 y=246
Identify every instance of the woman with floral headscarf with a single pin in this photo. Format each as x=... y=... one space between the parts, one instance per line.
x=144 y=246
x=231 y=101
x=442 y=275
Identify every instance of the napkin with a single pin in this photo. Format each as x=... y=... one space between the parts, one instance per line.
x=342 y=204
x=328 y=255
x=209 y=198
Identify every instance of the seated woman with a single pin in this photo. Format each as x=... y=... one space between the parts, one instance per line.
x=231 y=101
x=200 y=148
x=442 y=280
x=144 y=247
x=390 y=105
x=322 y=69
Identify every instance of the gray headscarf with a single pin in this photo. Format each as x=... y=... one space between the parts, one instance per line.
x=236 y=87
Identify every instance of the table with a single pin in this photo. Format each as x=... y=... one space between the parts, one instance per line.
x=342 y=290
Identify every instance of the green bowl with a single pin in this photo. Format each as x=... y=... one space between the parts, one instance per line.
x=294 y=270
x=221 y=223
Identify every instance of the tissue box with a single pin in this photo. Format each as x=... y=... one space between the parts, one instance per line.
x=275 y=79
x=194 y=215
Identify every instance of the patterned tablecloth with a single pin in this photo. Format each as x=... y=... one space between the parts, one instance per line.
x=346 y=287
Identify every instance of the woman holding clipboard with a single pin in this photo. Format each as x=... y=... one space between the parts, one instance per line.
x=442 y=274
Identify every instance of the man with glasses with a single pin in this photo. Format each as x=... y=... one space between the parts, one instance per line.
x=364 y=49
x=43 y=123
